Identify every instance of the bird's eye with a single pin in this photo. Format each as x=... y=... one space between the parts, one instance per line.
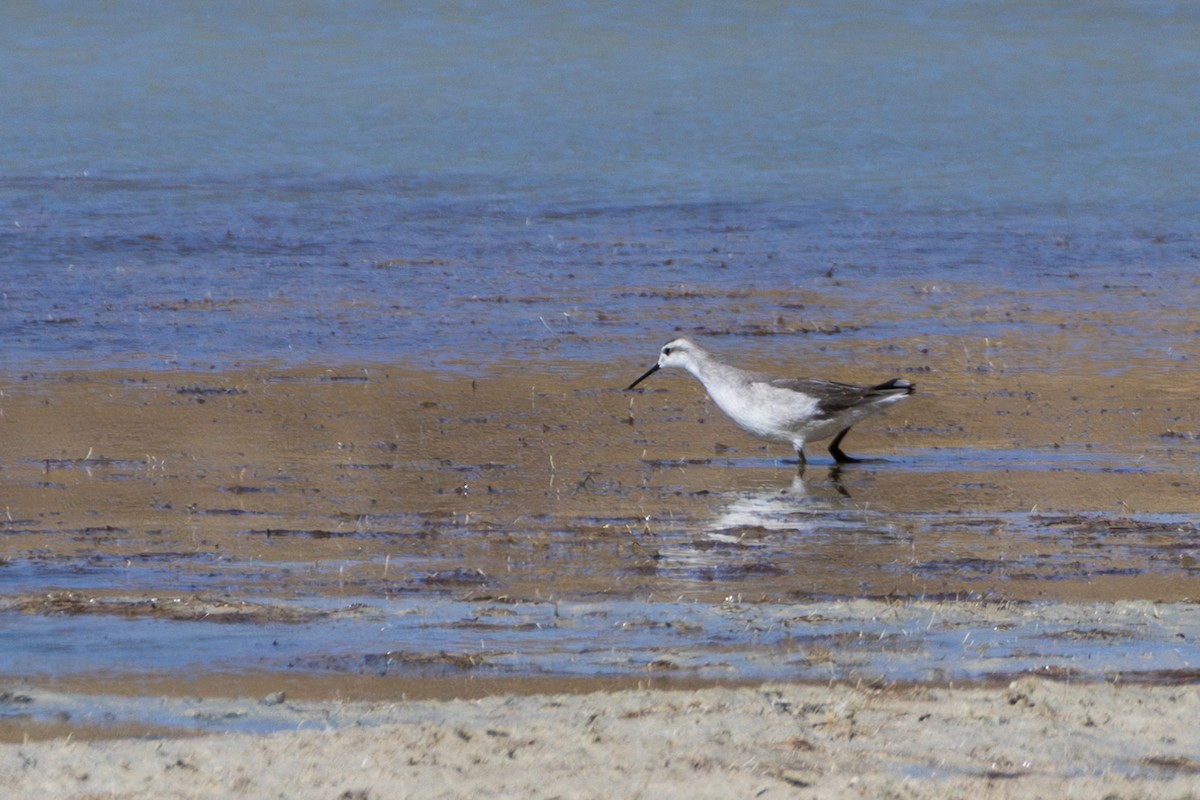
x=666 y=351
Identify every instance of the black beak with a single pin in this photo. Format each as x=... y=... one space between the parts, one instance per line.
x=649 y=372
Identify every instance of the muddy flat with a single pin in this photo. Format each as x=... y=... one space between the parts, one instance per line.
x=369 y=535
x=210 y=555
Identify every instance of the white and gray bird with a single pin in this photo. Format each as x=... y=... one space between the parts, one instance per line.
x=789 y=410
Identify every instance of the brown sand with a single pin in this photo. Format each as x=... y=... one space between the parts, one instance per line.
x=131 y=466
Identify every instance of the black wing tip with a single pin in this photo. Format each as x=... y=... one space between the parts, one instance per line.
x=896 y=385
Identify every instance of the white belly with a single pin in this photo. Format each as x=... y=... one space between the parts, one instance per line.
x=771 y=413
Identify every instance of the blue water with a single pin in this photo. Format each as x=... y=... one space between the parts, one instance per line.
x=896 y=642
x=450 y=185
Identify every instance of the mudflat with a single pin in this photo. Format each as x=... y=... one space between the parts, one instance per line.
x=529 y=582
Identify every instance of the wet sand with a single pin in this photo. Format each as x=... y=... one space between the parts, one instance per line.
x=236 y=501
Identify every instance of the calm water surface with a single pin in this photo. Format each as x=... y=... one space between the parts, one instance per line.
x=205 y=186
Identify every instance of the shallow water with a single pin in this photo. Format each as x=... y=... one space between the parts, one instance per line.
x=406 y=530
x=392 y=279
x=315 y=326
x=443 y=186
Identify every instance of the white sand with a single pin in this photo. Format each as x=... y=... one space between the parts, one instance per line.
x=1034 y=738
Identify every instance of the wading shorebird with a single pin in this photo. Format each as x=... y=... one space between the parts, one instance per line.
x=790 y=410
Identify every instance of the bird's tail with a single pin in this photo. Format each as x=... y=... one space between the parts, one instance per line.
x=896 y=386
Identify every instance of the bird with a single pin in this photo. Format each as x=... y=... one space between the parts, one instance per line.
x=789 y=410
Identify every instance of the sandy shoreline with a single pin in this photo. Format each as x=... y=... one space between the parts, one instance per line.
x=1116 y=735
x=1032 y=738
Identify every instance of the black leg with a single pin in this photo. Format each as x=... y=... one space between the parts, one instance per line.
x=801 y=462
x=836 y=451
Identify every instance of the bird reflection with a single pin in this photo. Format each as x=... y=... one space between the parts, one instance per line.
x=784 y=507
x=743 y=540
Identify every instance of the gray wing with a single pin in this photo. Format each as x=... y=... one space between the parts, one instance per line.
x=833 y=397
